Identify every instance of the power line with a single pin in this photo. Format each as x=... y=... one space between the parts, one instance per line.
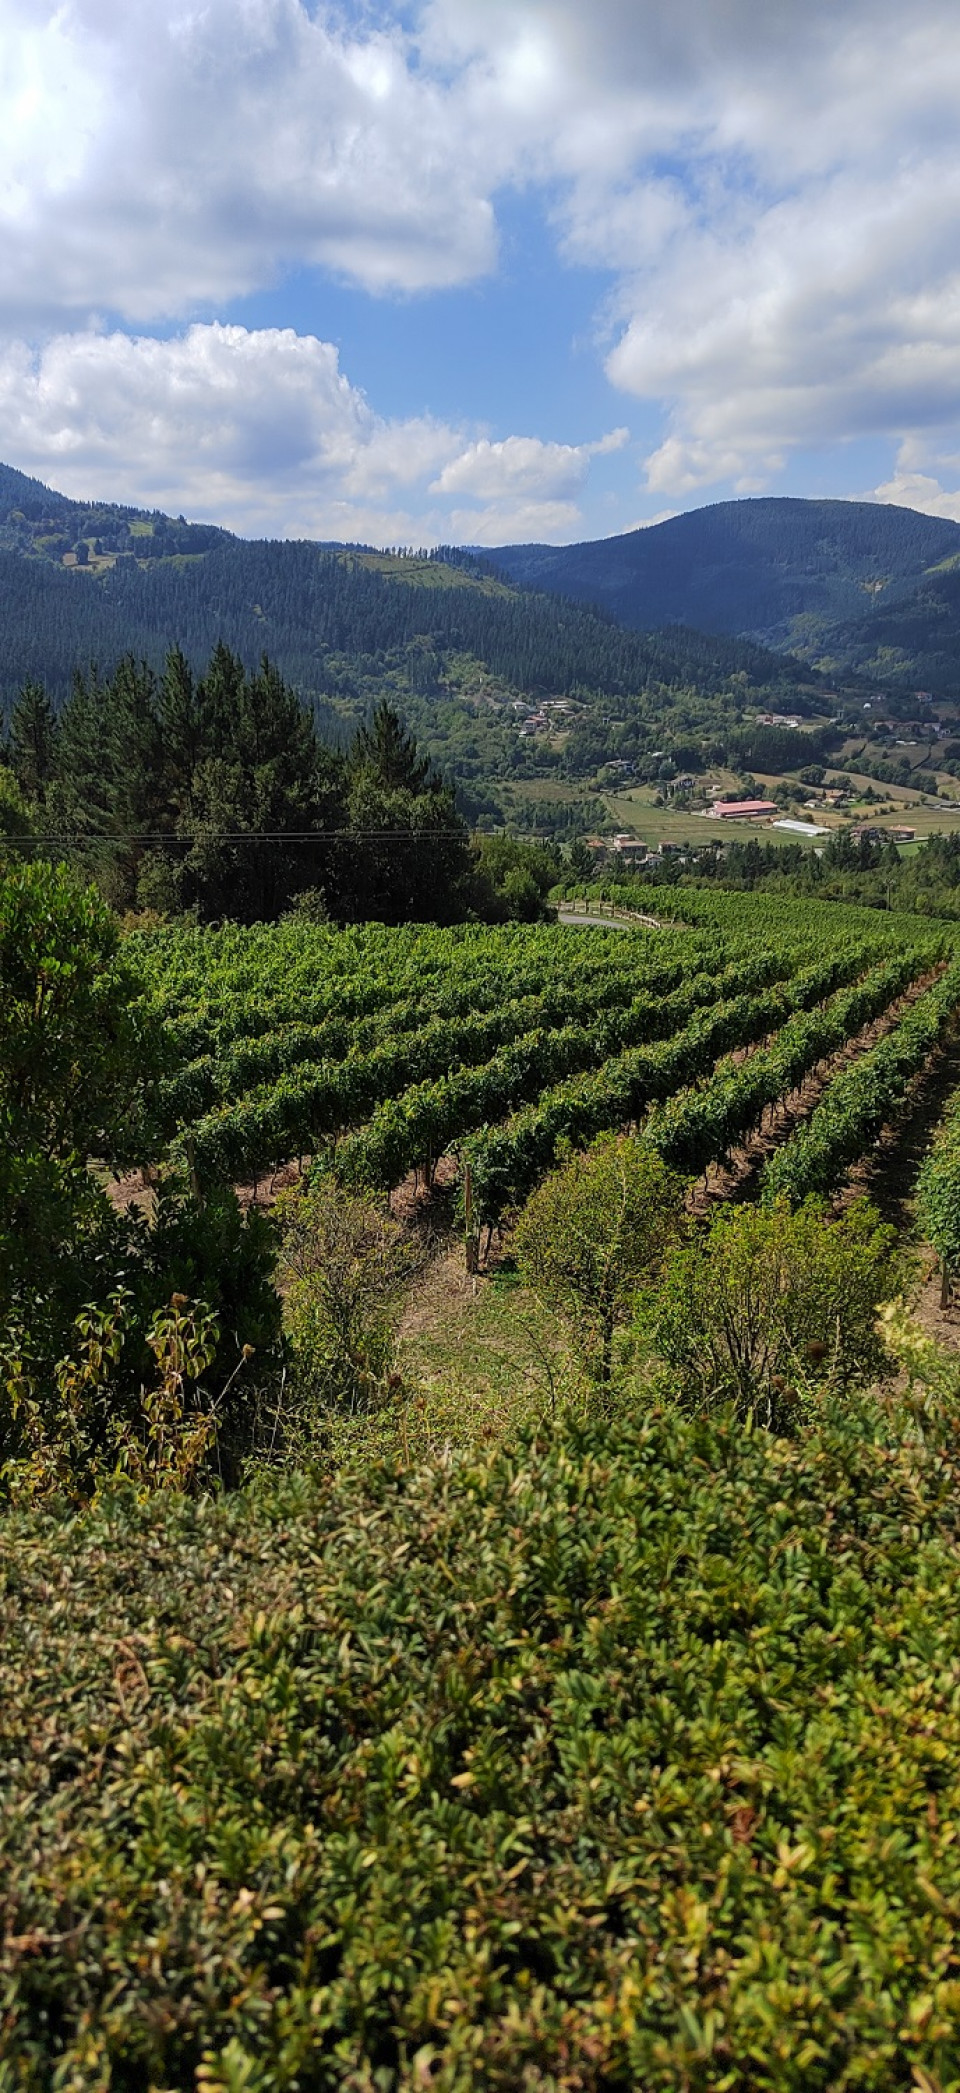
x=278 y=835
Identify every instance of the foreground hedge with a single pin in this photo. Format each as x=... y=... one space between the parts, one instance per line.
x=633 y=1760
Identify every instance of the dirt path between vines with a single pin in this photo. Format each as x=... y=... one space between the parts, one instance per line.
x=887 y=1176
x=739 y=1176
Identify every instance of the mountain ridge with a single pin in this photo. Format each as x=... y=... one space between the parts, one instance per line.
x=836 y=582
x=843 y=587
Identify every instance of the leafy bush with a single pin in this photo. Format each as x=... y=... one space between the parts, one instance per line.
x=79 y=1054
x=626 y=1760
x=768 y=1306
x=77 y=1435
x=595 y=1231
x=347 y=1268
x=74 y=1055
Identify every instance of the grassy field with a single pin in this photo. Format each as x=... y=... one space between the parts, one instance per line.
x=635 y=810
x=653 y=825
x=483 y=1354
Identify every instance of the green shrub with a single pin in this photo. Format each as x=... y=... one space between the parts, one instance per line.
x=78 y=1434
x=79 y=1055
x=347 y=1267
x=627 y=1760
x=75 y=1053
x=770 y=1306
x=594 y=1232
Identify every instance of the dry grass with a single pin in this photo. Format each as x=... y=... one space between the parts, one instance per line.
x=481 y=1351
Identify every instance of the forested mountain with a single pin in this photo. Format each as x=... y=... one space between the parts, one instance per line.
x=465 y=655
x=849 y=585
x=82 y=583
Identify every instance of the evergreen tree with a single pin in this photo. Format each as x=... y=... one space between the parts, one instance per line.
x=414 y=863
x=387 y=752
x=181 y=725
x=33 y=731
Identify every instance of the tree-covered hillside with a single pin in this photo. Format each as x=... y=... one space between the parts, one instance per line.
x=464 y=654
x=82 y=582
x=827 y=578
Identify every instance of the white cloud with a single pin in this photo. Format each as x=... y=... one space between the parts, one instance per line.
x=777 y=191
x=261 y=430
x=256 y=428
x=917 y=490
x=154 y=156
x=774 y=190
x=912 y=486
x=524 y=468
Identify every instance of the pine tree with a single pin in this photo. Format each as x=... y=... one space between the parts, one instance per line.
x=388 y=753
x=181 y=724
x=33 y=732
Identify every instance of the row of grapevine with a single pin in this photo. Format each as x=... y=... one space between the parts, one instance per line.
x=413 y=1122
x=700 y=1126
x=729 y=913
x=340 y=1091
x=507 y=1162
x=938 y=1194
x=431 y=1029
x=456 y=991
x=439 y=971
x=863 y=1098
x=378 y=1050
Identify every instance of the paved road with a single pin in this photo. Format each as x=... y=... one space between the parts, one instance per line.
x=578 y=920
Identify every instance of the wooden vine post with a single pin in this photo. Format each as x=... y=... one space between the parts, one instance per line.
x=469 y=1231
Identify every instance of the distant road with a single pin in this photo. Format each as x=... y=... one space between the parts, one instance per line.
x=621 y=921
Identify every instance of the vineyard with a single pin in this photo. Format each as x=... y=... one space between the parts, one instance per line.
x=377 y=1053
x=547 y=1679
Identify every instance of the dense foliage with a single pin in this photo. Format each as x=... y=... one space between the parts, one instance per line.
x=767 y=1309
x=628 y=1757
x=214 y=794
x=80 y=1058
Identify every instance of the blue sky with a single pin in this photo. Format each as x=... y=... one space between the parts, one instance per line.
x=479 y=270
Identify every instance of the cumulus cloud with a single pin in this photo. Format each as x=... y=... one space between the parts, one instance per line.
x=911 y=486
x=261 y=429
x=155 y=156
x=523 y=468
x=773 y=190
x=776 y=189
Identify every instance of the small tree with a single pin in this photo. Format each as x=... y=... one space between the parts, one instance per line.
x=770 y=1306
x=593 y=1233
x=581 y=860
x=347 y=1268
x=74 y=1054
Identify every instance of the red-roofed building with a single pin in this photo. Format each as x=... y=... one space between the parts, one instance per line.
x=743 y=809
